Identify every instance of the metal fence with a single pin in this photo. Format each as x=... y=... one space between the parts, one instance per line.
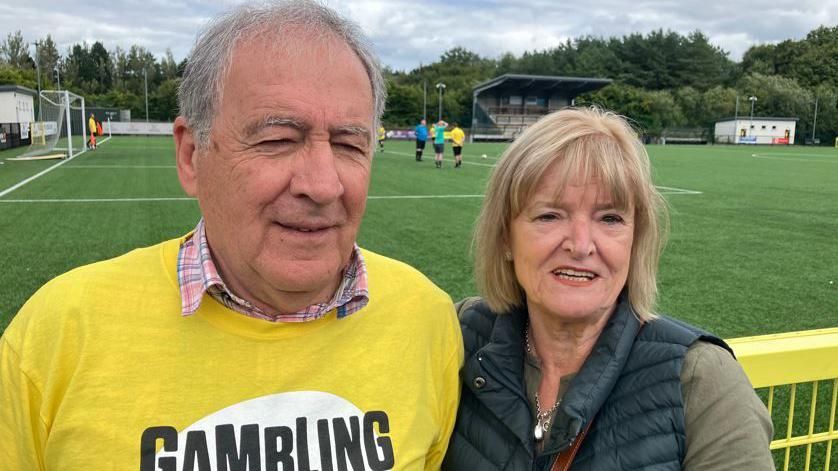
x=796 y=374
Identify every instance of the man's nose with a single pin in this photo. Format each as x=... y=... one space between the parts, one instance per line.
x=316 y=174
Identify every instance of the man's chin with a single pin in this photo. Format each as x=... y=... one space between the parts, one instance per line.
x=304 y=277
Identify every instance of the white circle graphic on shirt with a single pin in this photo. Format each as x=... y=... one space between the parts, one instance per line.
x=293 y=430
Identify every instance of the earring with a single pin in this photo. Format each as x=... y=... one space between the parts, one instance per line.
x=508 y=256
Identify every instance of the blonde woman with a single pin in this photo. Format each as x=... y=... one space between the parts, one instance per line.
x=567 y=364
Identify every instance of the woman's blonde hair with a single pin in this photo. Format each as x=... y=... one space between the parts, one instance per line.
x=585 y=143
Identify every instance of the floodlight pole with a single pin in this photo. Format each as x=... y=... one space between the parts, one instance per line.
x=38 y=67
x=440 y=88
x=736 y=122
x=425 y=99
x=145 y=82
x=58 y=77
x=752 y=99
x=815 y=121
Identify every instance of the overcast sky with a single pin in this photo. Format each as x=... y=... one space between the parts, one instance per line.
x=407 y=33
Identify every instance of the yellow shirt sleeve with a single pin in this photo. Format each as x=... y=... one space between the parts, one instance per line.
x=22 y=431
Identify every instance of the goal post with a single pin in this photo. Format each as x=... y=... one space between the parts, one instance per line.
x=60 y=131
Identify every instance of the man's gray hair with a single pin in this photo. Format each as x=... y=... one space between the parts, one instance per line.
x=202 y=86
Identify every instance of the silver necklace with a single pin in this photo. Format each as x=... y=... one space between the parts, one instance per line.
x=542 y=419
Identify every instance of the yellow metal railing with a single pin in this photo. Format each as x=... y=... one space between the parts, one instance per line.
x=795 y=366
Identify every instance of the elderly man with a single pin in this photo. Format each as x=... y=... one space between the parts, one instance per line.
x=264 y=339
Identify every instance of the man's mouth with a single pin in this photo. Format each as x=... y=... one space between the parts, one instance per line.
x=574 y=275
x=307 y=228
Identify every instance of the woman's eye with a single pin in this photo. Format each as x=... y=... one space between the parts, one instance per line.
x=547 y=217
x=612 y=219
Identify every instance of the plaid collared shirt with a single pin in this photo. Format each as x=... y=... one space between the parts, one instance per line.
x=197 y=275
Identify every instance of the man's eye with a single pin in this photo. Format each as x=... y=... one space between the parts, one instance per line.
x=348 y=147
x=275 y=142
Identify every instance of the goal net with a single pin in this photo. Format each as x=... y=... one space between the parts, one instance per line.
x=60 y=131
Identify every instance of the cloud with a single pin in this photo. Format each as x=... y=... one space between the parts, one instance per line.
x=409 y=33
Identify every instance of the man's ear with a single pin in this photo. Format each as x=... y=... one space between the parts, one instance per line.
x=186 y=156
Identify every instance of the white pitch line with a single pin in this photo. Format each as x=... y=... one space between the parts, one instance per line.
x=94 y=200
x=419 y=197
x=783 y=154
x=678 y=191
x=371 y=197
x=757 y=156
x=37 y=175
x=44 y=172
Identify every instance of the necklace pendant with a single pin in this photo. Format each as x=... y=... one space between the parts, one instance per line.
x=539 y=431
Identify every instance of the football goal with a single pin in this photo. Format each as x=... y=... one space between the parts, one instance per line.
x=60 y=131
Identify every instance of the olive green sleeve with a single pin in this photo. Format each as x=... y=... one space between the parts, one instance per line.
x=728 y=427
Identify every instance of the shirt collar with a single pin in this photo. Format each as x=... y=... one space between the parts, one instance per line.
x=198 y=275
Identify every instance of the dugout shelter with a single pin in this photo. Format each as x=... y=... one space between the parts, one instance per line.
x=506 y=105
x=756 y=130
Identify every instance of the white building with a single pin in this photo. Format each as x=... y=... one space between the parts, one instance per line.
x=759 y=130
x=17 y=104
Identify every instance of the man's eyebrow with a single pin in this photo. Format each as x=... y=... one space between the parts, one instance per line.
x=273 y=121
x=353 y=131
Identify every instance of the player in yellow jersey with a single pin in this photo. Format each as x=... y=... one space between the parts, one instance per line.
x=382 y=135
x=458 y=137
x=91 y=127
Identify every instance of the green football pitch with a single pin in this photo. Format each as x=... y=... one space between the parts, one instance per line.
x=753 y=247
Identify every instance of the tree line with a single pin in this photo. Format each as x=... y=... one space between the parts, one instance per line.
x=661 y=80
x=116 y=78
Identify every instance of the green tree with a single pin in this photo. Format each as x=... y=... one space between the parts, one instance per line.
x=651 y=111
x=12 y=76
x=652 y=61
x=759 y=59
x=595 y=59
x=101 y=62
x=14 y=51
x=826 y=127
x=777 y=96
x=48 y=59
x=458 y=68
x=691 y=103
x=168 y=66
x=818 y=62
x=163 y=102
x=717 y=103
x=700 y=64
x=79 y=70
x=404 y=104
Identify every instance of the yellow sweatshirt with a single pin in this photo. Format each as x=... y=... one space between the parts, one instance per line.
x=100 y=371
